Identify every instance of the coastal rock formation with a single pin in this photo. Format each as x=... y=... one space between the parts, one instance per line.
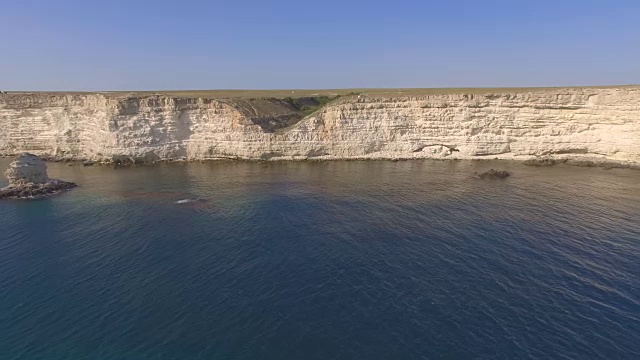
x=28 y=179
x=25 y=169
x=596 y=125
x=494 y=174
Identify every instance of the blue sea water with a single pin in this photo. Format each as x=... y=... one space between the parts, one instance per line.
x=336 y=260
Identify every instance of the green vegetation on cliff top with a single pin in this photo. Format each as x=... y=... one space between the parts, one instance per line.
x=329 y=93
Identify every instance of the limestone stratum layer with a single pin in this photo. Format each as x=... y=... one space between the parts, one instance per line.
x=601 y=124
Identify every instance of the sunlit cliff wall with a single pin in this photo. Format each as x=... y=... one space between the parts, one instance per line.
x=600 y=123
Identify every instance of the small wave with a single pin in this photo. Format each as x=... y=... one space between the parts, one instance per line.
x=189 y=201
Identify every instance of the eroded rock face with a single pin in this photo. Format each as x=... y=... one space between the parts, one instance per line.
x=601 y=125
x=28 y=179
x=25 y=169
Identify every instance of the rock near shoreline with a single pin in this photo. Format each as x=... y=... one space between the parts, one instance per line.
x=28 y=179
x=494 y=174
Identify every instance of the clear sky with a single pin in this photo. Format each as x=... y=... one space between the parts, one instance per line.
x=251 y=44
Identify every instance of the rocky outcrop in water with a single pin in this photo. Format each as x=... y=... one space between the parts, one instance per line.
x=28 y=179
x=598 y=124
x=494 y=174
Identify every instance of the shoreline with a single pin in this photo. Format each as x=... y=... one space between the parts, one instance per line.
x=605 y=164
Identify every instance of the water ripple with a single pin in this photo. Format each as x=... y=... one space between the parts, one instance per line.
x=353 y=260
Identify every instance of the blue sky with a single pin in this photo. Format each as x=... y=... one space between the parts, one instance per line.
x=198 y=44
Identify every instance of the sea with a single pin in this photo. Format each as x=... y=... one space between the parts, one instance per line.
x=324 y=260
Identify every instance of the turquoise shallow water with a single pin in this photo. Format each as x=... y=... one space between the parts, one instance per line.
x=338 y=260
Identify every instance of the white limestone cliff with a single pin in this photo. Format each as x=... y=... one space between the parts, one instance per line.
x=574 y=123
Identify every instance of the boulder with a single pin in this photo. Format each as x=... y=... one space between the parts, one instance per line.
x=28 y=179
x=544 y=162
x=493 y=174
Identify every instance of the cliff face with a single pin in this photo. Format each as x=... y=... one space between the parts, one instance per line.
x=601 y=123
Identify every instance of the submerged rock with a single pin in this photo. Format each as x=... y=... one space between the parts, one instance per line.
x=494 y=174
x=544 y=162
x=28 y=179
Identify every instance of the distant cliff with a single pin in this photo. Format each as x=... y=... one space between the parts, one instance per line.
x=576 y=123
